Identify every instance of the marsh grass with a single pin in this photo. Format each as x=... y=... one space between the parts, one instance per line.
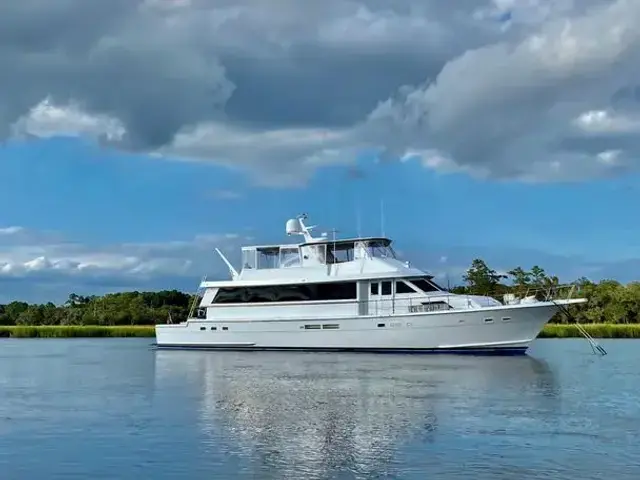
x=596 y=330
x=71 y=331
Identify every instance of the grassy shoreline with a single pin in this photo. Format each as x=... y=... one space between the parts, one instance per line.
x=71 y=331
x=601 y=330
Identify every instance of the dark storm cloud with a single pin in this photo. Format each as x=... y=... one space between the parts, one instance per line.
x=284 y=88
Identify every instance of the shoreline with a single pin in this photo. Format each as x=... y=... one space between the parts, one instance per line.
x=597 y=330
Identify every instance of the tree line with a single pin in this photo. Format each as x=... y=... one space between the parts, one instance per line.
x=609 y=301
x=127 y=308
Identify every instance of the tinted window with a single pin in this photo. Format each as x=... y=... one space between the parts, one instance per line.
x=374 y=289
x=386 y=288
x=402 y=287
x=287 y=293
x=424 y=285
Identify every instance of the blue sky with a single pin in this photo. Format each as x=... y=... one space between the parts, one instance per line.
x=99 y=198
x=497 y=130
x=96 y=196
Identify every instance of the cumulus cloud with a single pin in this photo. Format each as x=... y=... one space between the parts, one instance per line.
x=527 y=89
x=507 y=109
x=41 y=266
x=278 y=156
x=31 y=261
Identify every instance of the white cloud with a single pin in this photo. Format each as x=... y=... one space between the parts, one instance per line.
x=43 y=266
x=48 y=120
x=362 y=28
x=603 y=121
x=506 y=109
x=10 y=230
x=529 y=89
x=286 y=155
x=32 y=260
x=527 y=12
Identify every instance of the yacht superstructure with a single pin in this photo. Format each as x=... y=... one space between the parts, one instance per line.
x=349 y=294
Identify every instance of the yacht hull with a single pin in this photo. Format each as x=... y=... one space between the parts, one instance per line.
x=494 y=330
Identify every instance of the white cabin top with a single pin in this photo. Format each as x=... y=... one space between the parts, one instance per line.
x=317 y=259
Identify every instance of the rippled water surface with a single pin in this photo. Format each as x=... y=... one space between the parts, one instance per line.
x=115 y=408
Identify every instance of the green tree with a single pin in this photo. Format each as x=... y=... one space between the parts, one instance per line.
x=481 y=279
x=538 y=276
x=521 y=280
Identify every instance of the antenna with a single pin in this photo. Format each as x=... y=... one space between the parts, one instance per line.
x=358 y=220
x=334 y=231
x=444 y=259
x=382 y=216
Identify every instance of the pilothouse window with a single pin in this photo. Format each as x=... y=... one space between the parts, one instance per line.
x=289 y=257
x=340 y=251
x=426 y=285
x=403 y=287
x=380 y=249
x=249 y=258
x=268 y=257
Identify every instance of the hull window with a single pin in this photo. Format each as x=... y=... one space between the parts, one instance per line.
x=330 y=326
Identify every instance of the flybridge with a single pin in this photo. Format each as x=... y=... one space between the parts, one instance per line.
x=313 y=252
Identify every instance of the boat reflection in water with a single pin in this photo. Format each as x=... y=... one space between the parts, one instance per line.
x=313 y=415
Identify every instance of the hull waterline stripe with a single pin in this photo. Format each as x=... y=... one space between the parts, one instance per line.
x=450 y=350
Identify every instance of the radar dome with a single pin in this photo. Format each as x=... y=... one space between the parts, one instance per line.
x=294 y=227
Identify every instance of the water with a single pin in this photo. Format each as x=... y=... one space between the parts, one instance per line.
x=114 y=408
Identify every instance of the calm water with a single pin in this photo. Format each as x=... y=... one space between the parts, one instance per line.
x=114 y=408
